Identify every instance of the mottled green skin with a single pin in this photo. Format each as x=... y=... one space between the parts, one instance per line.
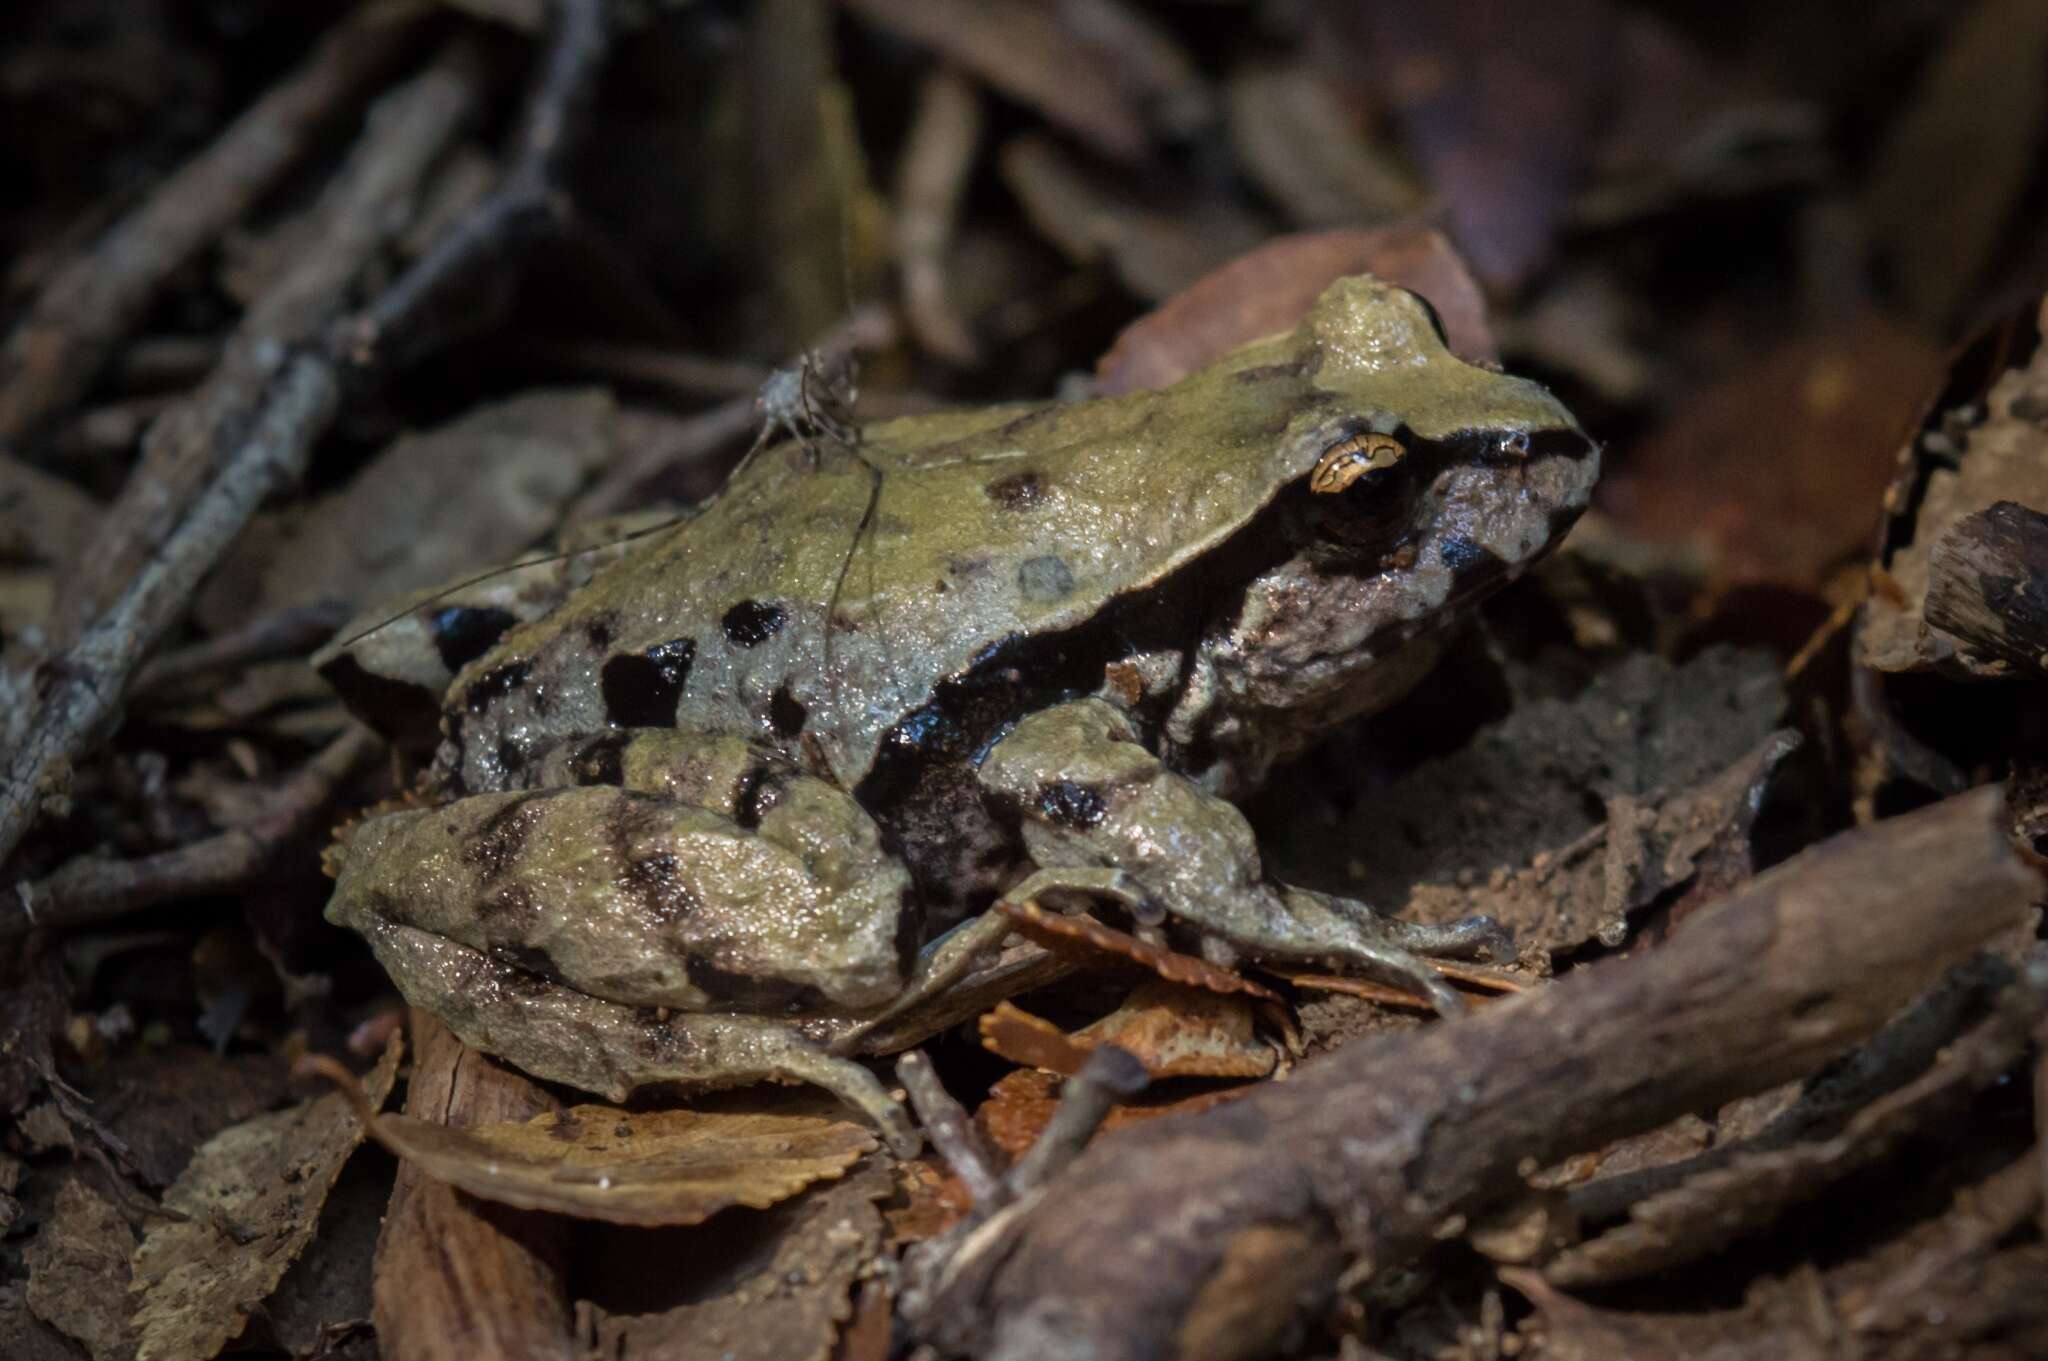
x=704 y=807
x=987 y=525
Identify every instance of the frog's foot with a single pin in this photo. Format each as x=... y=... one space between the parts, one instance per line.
x=1095 y=802
x=561 y=1035
x=948 y=960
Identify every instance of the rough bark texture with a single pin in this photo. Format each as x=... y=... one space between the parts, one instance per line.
x=1134 y=1252
x=1988 y=585
x=458 y=1279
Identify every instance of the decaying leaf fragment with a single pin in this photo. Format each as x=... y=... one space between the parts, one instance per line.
x=650 y=1168
x=1021 y=1104
x=77 y=1264
x=250 y=1200
x=1056 y=930
x=1977 y=458
x=1175 y=1031
x=777 y=1288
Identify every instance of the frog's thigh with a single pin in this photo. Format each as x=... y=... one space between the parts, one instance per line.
x=1094 y=799
x=561 y=1035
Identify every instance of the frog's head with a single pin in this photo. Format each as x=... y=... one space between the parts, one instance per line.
x=1411 y=485
x=1444 y=477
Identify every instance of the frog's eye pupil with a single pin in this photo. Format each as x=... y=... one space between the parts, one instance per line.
x=1344 y=462
x=1516 y=443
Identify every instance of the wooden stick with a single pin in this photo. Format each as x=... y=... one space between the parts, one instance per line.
x=1212 y=1234
x=91 y=303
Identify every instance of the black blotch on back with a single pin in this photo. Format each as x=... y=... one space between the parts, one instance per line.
x=751 y=796
x=496 y=683
x=1018 y=491
x=1071 y=805
x=463 y=633
x=599 y=631
x=641 y=689
x=753 y=621
x=744 y=992
x=786 y=713
x=656 y=883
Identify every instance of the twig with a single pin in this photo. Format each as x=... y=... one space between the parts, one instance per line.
x=1110 y=1075
x=294 y=631
x=937 y=159
x=491 y=242
x=951 y=1131
x=95 y=890
x=248 y=432
x=1149 y=1238
x=89 y=304
x=251 y=428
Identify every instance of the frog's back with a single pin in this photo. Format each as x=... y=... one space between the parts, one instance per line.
x=822 y=597
x=825 y=599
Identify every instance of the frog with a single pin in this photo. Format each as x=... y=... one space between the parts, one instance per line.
x=768 y=779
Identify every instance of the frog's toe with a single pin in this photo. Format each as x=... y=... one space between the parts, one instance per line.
x=1466 y=938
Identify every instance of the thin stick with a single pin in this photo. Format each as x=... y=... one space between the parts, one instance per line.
x=93 y=890
x=91 y=303
x=248 y=432
x=1367 y=1152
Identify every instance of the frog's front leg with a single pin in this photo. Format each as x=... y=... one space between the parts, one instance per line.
x=1092 y=798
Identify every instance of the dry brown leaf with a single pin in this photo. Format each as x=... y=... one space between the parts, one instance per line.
x=1178 y=1031
x=1267 y=291
x=1056 y=930
x=1021 y=1103
x=1025 y=51
x=1174 y=1031
x=777 y=1288
x=1033 y=1041
x=1158 y=239
x=649 y=1168
x=1956 y=164
x=930 y=1198
x=250 y=1201
x=1716 y=478
x=78 y=1271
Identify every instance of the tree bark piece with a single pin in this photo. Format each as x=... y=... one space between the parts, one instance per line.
x=91 y=303
x=457 y=1279
x=1988 y=585
x=1372 y=1149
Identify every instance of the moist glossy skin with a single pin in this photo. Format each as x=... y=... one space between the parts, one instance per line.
x=769 y=749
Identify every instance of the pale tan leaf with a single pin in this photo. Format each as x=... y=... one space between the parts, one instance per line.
x=250 y=1200
x=663 y=1167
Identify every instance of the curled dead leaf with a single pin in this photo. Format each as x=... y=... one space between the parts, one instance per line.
x=1056 y=931
x=648 y=1168
x=1174 y=1031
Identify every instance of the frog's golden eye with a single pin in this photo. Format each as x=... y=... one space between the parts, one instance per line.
x=1348 y=460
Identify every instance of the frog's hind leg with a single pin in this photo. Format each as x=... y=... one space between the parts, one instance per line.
x=1091 y=796
x=560 y=1035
